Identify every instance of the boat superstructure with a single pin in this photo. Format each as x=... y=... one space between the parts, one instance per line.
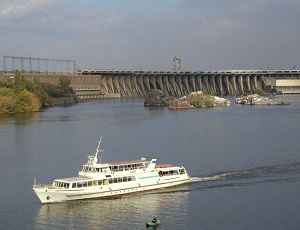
x=96 y=180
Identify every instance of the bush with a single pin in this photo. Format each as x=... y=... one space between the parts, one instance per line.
x=200 y=100
x=5 y=83
x=6 y=92
x=7 y=104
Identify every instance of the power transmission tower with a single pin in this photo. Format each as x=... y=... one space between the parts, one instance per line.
x=177 y=64
x=38 y=65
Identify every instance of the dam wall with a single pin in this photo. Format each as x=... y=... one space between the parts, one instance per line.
x=138 y=85
x=237 y=82
x=89 y=83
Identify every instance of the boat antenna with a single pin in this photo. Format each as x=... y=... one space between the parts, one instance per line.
x=97 y=151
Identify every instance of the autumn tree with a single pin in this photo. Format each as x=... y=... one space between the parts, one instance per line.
x=27 y=101
x=64 y=84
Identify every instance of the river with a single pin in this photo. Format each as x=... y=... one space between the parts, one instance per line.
x=244 y=160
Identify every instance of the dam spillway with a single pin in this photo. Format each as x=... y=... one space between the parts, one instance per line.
x=139 y=83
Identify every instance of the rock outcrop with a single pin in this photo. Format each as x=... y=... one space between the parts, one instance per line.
x=180 y=103
x=255 y=99
x=219 y=102
x=156 y=98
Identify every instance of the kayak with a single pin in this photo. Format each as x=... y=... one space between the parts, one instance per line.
x=153 y=223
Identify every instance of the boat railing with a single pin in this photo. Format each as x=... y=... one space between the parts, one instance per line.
x=42 y=186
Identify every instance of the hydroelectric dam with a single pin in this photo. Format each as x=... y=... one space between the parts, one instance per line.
x=97 y=83
x=137 y=83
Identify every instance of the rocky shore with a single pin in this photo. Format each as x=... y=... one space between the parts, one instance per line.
x=255 y=99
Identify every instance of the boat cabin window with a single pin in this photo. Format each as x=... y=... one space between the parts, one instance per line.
x=121 y=179
x=132 y=166
x=91 y=169
x=59 y=184
x=87 y=183
x=168 y=173
x=182 y=171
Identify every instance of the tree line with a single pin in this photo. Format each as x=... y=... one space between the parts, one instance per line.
x=19 y=95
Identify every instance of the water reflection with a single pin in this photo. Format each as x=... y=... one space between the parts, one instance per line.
x=231 y=148
x=19 y=118
x=130 y=211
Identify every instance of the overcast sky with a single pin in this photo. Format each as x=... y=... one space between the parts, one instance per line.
x=147 y=34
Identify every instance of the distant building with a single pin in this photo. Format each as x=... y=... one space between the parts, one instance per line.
x=287 y=86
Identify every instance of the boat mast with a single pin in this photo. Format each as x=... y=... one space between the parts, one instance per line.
x=97 y=151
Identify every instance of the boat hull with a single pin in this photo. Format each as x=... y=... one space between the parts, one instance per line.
x=49 y=195
x=153 y=224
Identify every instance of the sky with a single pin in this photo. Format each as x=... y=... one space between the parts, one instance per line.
x=148 y=34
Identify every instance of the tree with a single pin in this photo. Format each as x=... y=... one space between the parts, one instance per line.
x=5 y=83
x=20 y=95
x=6 y=92
x=18 y=82
x=64 y=83
x=43 y=96
x=7 y=104
x=27 y=101
x=7 y=96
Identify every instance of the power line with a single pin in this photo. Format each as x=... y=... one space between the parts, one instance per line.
x=29 y=64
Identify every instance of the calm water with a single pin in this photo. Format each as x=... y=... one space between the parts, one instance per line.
x=245 y=161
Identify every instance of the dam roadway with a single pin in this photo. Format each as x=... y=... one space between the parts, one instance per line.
x=137 y=83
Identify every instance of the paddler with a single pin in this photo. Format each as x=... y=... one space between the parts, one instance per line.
x=154 y=219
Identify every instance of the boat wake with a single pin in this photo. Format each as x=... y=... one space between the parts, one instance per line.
x=254 y=175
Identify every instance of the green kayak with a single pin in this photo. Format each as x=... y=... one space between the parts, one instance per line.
x=153 y=223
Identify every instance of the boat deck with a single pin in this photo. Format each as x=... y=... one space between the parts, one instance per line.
x=73 y=179
x=127 y=162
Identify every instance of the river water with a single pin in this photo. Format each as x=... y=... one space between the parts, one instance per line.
x=244 y=160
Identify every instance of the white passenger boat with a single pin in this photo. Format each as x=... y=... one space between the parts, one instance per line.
x=97 y=180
